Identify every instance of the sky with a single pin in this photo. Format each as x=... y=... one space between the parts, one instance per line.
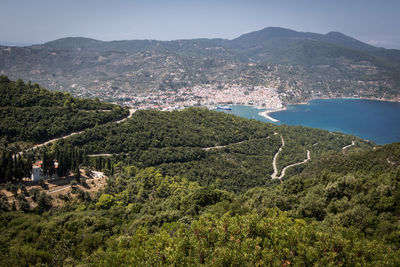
x=37 y=21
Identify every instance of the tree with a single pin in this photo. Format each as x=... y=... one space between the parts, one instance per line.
x=105 y=201
x=67 y=104
x=23 y=204
x=43 y=184
x=48 y=164
x=77 y=174
x=44 y=202
x=4 y=206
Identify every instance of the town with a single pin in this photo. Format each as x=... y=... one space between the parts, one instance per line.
x=208 y=96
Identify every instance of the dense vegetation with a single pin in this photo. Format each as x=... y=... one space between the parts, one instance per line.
x=179 y=142
x=193 y=187
x=31 y=114
x=145 y=218
x=360 y=190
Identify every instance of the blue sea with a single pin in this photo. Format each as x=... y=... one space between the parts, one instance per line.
x=378 y=121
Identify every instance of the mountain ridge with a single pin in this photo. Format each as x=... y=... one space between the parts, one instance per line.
x=301 y=65
x=268 y=32
x=270 y=28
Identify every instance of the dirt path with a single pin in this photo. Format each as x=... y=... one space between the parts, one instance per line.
x=274 y=175
x=131 y=111
x=294 y=164
x=59 y=189
x=204 y=148
x=218 y=147
x=352 y=144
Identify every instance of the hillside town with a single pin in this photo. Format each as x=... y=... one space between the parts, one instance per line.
x=208 y=96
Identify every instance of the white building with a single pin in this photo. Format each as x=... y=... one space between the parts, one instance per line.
x=37 y=172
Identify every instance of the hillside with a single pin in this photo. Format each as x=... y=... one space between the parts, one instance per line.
x=206 y=146
x=195 y=187
x=357 y=191
x=144 y=217
x=300 y=65
x=31 y=114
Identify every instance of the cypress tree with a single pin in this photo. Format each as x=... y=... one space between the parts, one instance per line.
x=9 y=167
x=77 y=174
x=2 y=166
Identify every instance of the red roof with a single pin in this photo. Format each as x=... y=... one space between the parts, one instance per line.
x=40 y=162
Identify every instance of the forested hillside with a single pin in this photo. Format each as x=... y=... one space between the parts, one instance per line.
x=146 y=218
x=31 y=114
x=360 y=190
x=195 y=187
x=206 y=146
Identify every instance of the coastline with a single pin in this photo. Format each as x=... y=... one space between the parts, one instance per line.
x=385 y=136
x=376 y=99
x=395 y=100
x=266 y=114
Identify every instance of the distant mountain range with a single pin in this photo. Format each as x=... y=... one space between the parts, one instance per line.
x=302 y=65
x=4 y=43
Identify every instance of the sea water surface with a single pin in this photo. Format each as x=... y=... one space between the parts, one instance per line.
x=378 y=121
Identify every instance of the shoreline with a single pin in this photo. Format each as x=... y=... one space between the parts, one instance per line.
x=266 y=114
x=347 y=97
x=267 y=108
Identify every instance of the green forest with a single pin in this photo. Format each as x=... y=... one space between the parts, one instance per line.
x=194 y=187
x=31 y=114
x=181 y=143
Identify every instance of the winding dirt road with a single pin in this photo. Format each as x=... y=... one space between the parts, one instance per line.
x=131 y=111
x=352 y=144
x=294 y=164
x=219 y=147
x=274 y=175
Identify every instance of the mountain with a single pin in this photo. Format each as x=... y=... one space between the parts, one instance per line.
x=301 y=65
x=15 y=43
x=276 y=38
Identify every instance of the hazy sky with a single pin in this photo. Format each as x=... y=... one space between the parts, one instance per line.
x=37 y=21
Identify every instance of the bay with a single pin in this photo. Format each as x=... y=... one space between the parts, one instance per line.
x=378 y=121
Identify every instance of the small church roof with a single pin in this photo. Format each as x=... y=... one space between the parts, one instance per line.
x=38 y=164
